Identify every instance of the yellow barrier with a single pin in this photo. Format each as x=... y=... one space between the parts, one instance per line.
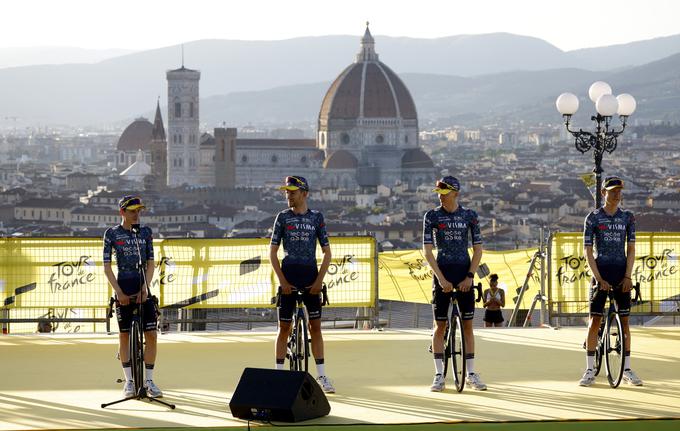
x=405 y=275
x=656 y=269
x=65 y=275
x=45 y=273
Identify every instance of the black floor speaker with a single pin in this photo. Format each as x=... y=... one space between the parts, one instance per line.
x=278 y=395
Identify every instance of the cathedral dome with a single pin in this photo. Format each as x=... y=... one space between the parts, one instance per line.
x=136 y=136
x=415 y=158
x=341 y=159
x=367 y=89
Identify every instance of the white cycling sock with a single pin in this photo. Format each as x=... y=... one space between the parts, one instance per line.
x=439 y=366
x=149 y=374
x=470 y=365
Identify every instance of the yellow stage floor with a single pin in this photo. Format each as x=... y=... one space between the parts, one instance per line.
x=59 y=381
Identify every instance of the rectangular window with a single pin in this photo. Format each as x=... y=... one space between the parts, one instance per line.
x=191 y=109
x=178 y=109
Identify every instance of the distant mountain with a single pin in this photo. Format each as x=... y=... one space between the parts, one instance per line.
x=655 y=86
x=462 y=71
x=35 y=55
x=478 y=100
x=624 y=55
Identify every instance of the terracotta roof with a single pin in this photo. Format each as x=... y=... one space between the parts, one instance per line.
x=381 y=86
x=47 y=203
x=416 y=158
x=341 y=159
x=136 y=136
x=384 y=93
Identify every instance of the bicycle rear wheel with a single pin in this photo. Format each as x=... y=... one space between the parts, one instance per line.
x=458 y=351
x=136 y=355
x=614 y=349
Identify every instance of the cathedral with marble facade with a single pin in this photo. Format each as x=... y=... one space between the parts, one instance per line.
x=367 y=135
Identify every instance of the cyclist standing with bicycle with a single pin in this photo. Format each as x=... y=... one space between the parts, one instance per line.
x=299 y=228
x=450 y=227
x=612 y=231
x=133 y=281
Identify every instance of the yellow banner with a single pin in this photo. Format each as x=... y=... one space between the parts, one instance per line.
x=656 y=269
x=198 y=273
x=406 y=276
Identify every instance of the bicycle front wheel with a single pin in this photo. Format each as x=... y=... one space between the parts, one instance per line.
x=137 y=355
x=447 y=347
x=599 y=349
x=457 y=341
x=614 y=350
x=305 y=343
x=299 y=345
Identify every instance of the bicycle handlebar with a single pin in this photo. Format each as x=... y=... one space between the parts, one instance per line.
x=638 y=296
x=276 y=300
x=634 y=298
x=477 y=287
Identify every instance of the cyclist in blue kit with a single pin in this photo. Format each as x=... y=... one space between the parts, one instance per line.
x=121 y=241
x=611 y=231
x=299 y=228
x=450 y=227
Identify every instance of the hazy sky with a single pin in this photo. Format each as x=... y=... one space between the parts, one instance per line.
x=144 y=24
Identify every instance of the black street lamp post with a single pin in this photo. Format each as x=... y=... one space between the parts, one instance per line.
x=604 y=139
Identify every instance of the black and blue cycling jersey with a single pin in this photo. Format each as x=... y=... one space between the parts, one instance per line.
x=609 y=234
x=299 y=233
x=122 y=242
x=450 y=232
